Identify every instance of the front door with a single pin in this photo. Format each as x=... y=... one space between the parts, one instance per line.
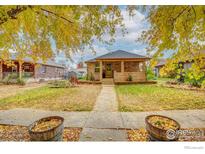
x=108 y=71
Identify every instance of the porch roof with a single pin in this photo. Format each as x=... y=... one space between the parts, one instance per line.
x=119 y=54
x=49 y=62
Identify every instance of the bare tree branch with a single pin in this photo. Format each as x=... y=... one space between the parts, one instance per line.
x=13 y=13
x=57 y=15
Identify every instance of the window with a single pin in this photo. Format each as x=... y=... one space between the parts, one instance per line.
x=97 y=67
x=43 y=69
x=141 y=67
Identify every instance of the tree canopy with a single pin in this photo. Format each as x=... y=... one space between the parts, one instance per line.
x=29 y=30
x=180 y=29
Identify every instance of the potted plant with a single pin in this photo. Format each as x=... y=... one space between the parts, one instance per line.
x=162 y=128
x=47 y=129
x=129 y=78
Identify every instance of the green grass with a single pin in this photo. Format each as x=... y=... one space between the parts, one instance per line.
x=80 y=98
x=154 y=98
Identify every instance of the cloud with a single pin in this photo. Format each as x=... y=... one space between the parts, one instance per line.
x=134 y=25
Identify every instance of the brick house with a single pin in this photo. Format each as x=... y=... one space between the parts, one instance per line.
x=118 y=66
x=27 y=68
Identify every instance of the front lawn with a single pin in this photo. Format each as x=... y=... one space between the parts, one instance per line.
x=80 y=98
x=164 y=80
x=153 y=98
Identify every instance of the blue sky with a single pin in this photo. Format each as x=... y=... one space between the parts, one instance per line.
x=135 y=25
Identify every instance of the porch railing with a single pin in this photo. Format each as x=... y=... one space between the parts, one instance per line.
x=15 y=75
x=136 y=76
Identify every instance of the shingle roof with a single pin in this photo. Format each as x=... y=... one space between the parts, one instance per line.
x=118 y=54
x=161 y=62
x=49 y=62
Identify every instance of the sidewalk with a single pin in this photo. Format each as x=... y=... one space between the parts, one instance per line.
x=104 y=123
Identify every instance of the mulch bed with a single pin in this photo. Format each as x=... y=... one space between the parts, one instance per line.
x=20 y=133
x=142 y=135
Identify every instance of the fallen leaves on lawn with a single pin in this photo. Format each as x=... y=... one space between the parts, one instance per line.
x=20 y=133
x=142 y=135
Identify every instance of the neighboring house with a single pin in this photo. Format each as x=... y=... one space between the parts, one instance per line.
x=80 y=72
x=118 y=65
x=159 y=66
x=70 y=74
x=27 y=68
x=184 y=65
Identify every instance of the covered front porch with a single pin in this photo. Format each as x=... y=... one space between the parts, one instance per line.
x=121 y=70
x=17 y=68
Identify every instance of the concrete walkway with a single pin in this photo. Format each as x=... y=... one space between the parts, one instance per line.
x=104 y=123
x=103 y=126
x=116 y=120
x=106 y=101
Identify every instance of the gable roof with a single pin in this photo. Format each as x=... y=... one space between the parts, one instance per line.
x=118 y=54
x=161 y=62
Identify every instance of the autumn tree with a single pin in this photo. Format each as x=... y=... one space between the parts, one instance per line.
x=32 y=31
x=180 y=30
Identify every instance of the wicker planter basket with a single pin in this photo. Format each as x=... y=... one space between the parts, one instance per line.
x=158 y=134
x=52 y=134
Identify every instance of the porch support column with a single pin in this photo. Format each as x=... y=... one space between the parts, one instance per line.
x=100 y=70
x=122 y=67
x=34 y=70
x=1 y=69
x=20 y=70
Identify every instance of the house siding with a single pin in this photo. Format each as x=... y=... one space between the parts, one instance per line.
x=91 y=71
x=130 y=68
x=50 y=72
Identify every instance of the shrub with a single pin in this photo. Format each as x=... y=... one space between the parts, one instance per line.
x=21 y=81
x=129 y=78
x=13 y=79
x=194 y=78
x=10 y=79
x=73 y=80
x=150 y=74
x=60 y=84
x=203 y=84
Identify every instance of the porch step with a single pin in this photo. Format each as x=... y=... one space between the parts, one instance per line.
x=108 y=81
